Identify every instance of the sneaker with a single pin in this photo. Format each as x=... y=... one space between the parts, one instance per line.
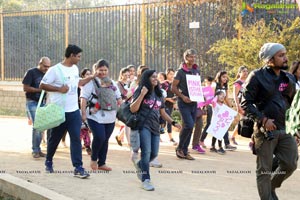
x=146 y=185
x=134 y=156
x=221 y=151
x=234 y=141
x=213 y=149
x=202 y=145
x=118 y=140
x=230 y=148
x=198 y=149
x=36 y=154
x=162 y=131
x=189 y=157
x=49 y=166
x=79 y=172
x=88 y=151
x=174 y=142
x=42 y=154
x=155 y=163
x=180 y=154
x=138 y=170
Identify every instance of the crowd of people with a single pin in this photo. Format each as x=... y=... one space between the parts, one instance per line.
x=91 y=99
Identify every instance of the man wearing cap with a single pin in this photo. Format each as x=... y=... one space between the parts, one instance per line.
x=268 y=94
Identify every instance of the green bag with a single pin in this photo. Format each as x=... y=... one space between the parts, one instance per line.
x=49 y=116
x=292 y=116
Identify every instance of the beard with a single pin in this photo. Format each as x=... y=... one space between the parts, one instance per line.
x=284 y=67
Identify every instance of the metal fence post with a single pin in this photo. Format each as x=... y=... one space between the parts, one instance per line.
x=67 y=25
x=143 y=33
x=2 y=44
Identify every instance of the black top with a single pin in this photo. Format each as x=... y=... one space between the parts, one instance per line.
x=181 y=76
x=33 y=78
x=268 y=95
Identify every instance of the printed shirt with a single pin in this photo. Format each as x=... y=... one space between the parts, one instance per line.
x=152 y=118
x=67 y=76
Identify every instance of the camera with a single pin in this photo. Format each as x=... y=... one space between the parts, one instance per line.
x=269 y=135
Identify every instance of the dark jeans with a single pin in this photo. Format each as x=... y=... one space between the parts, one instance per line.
x=188 y=115
x=101 y=135
x=208 y=121
x=169 y=111
x=72 y=125
x=284 y=147
x=149 y=151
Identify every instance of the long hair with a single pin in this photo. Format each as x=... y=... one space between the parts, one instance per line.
x=145 y=81
x=218 y=79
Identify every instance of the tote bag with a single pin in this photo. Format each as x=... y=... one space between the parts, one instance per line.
x=50 y=115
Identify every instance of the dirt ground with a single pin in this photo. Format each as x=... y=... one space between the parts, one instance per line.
x=210 y=176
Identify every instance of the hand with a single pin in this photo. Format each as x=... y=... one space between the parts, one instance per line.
x=177 y=125
x=186 y=99
x=269 y=125
x=144 y=90
x=64 y=89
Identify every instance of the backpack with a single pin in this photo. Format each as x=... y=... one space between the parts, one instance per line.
x=106 y=96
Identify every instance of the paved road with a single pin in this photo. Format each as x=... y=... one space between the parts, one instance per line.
x=210 y=176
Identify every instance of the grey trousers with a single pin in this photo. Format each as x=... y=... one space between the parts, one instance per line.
x=282 y=148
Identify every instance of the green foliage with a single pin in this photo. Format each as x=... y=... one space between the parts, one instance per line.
x=244 y=51
x=176 y=116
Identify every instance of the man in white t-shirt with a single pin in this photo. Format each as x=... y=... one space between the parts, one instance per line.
x=61 y=82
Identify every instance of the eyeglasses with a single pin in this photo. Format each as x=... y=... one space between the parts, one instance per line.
x=46 y=66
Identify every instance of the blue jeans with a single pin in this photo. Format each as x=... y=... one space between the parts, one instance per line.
x=36 y=135
x=188 y=115
x=169 y=111
x=101 y=135
x=149 y=151
x=72 y=125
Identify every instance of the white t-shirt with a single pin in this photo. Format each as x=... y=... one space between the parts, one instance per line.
x=101 y=116
x=71 y=78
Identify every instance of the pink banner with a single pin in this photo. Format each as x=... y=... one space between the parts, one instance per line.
x=208 y=93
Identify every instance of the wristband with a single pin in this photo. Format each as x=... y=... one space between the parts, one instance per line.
x=173 y=123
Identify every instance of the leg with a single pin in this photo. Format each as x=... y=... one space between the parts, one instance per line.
x=208 y=121
x=36 y=135
x=197 y=131
x=188 y=114
x=109 y=128
x=73 y=120
x=286 y=152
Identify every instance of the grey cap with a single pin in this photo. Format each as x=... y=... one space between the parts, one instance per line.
x=268 y=50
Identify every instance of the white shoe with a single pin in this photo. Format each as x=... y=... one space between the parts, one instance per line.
x=155 y=163
x=146 y=185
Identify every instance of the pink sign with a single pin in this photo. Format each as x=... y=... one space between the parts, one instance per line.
x=208 y=93
x=194 y=87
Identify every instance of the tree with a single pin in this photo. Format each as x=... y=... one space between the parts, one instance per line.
x=236 y=52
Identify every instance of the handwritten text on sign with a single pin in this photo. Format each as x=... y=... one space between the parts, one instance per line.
x=221 y=120
x=194 y=87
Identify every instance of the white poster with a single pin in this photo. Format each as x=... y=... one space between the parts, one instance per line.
x=194 y=88
x=222 y=118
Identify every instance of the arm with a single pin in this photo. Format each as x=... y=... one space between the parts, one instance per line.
x=135 y=105
x=236 y=90
x=28 y=88
x=51 y=88
x=166 y=117
x=175 y=90
x=83 y=104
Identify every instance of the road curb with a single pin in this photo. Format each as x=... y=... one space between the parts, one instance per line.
x=21 y=189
